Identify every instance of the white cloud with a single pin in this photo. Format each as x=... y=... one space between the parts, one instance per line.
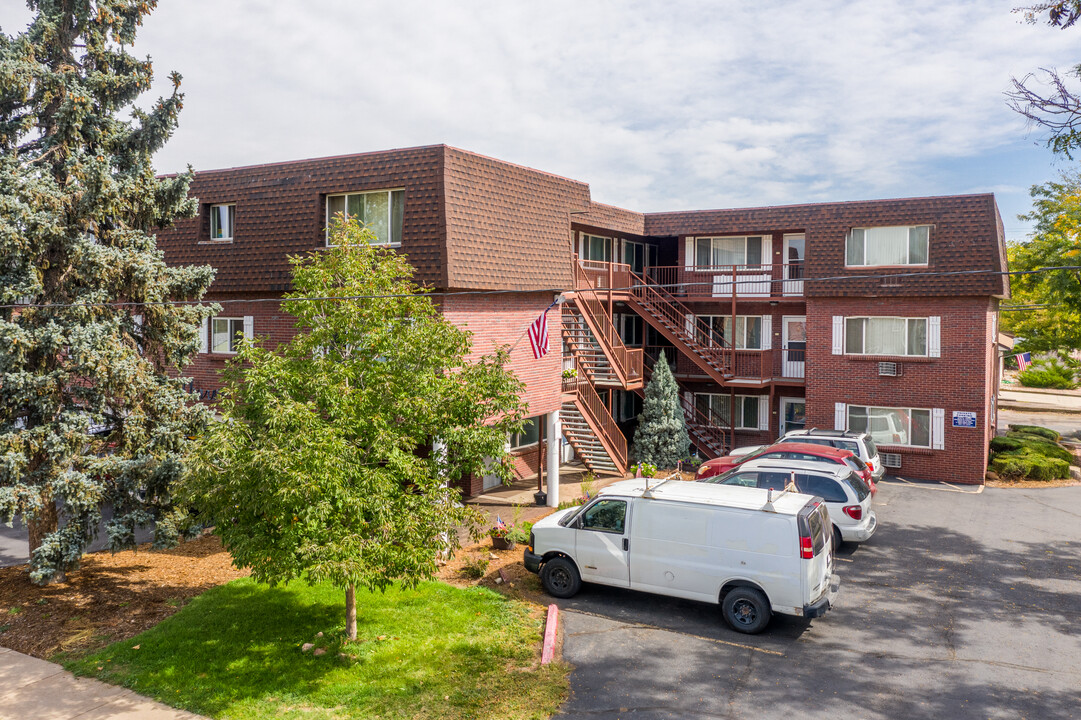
x=659 y=106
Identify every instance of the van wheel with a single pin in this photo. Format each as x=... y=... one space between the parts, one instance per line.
x=837 y=539
x=746 y=610
x=560 y=578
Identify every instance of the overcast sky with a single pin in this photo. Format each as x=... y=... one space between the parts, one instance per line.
x=657 y=105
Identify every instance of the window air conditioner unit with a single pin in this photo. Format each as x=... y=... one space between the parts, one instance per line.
x=891 y=460
x=889 y=369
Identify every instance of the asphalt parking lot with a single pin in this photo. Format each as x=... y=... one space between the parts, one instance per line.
x=962 y=605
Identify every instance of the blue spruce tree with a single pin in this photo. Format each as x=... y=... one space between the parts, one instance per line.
x=661 y=437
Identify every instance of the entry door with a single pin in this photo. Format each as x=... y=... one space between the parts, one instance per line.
x=793 y=414
x=794 y=344
x=601 y=543
x=794 y=251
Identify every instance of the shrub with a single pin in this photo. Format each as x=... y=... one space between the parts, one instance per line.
x=1027 y=465
x=1005 y=444
x=475 y=567
x=1052 y=374
x=1041 y=446
x=1037 y=430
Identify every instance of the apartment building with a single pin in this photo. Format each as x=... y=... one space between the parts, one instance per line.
x=878 y=315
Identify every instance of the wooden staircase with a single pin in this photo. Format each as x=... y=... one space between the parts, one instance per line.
x=677 y=324
x=625 y=364
x=588 y=353
x=593 y=432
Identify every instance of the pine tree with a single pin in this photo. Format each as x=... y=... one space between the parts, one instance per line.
x=661 y=437
x=89 y=415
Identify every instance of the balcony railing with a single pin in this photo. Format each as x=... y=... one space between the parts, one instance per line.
x=762 y=365
x=750 y=281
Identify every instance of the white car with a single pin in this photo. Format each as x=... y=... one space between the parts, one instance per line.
x=861 y=444
x=844 y=492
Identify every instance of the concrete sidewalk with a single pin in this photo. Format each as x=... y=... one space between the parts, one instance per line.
x=32 y=688
x=1038 y=399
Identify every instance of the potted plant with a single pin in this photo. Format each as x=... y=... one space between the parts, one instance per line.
x=506 y=536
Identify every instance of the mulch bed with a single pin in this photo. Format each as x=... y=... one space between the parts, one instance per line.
x=110 y=597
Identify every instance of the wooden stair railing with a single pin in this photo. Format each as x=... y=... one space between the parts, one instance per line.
x=673 y=320
x=602 y=424
x=626 y=363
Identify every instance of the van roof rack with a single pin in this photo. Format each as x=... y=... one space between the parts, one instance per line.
x=770 y=497
x=650 y=490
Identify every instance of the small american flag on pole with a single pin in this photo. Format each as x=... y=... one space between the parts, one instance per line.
x=1023 y=361
x=538 y=335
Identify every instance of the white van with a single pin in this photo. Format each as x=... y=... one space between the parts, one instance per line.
x=753 y=551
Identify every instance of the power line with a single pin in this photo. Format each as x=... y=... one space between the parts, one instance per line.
x=738 y=280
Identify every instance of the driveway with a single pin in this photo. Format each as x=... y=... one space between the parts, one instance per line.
x=963 y=605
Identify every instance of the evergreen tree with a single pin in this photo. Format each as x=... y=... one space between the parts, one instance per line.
x=661 y=437
x=315 y=470
x=89 y=416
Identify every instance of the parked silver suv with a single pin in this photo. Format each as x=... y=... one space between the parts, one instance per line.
x=860 y=443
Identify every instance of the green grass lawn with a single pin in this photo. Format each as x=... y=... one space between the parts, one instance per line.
x=445 y=652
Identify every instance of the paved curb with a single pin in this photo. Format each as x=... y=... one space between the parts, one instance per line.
x=551 y=626
x=1037 y=408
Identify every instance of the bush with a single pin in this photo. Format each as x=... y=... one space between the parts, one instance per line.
x=1037 y=430
x=1027 y=465
x=1005 y=444
x=1041 y=446
x=475 y=567
x=1052 y=374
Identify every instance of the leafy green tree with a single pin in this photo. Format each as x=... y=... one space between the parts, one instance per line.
x=315 y=469
x=1054 y=324
x=88 y=413
x=661 y=436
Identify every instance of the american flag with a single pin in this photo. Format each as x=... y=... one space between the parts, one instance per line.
x=538 y=335
x=1023 y=361
x=499 y=524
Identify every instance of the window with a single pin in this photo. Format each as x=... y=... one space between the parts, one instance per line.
x=606 y=516
x=748 y=335
x=824 y=487
x=711 y=252
x=886 y=336
x=888 y=246
x=225 y=334
x=529 y=434
x=630 y=329
x=382 y=212
x=716 y=408
x=892 y=426
x=639 y=255
x=222 y=218
x=595 y=247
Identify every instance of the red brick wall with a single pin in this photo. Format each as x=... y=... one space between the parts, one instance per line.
x=503 y=320
x=958 y=380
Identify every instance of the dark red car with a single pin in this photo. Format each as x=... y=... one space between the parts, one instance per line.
x=790 y=451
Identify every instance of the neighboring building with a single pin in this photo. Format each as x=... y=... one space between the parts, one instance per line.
x=827 y=315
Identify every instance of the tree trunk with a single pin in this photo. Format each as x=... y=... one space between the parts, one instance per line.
x=38 y=527
x=351 y=612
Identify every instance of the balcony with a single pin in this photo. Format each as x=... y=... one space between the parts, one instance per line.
x=779 y=281
x=749 y=367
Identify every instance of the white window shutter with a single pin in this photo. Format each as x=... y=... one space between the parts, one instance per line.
x=840 y=416
x=934 y=336
x=767 y=332
x=249 y=326
x=838 y=335
x=763 y=412
x=688 y=322
x=204 y=343
x=688 y=258
x=938 y=429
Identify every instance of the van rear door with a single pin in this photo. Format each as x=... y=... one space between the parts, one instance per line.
x=816 y=550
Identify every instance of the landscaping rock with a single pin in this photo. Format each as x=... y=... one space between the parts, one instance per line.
x=319 y=651
x=306 y=647
x=319 y=634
